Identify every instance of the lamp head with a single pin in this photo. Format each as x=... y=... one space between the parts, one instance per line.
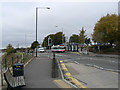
x=48 y=8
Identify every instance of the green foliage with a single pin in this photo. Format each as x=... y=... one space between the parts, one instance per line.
x=106 y=29
x=74 y=39
x=34 y=44
x=82 y=36
x=10 y=49
x=56 y=39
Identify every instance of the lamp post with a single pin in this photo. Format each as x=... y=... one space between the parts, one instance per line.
x=37 y=21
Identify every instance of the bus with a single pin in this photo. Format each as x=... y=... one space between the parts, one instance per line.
x=58 y=48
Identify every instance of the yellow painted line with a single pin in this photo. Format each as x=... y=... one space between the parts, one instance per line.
x=76 y=53
x=68 y=74
x=62 y=84
x=61 y=61
x=78 y=83
x=115 y=72
x=64 y=67
x=74 y=80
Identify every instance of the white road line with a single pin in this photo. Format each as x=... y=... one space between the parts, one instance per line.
x=76 y=62
x=102 y=68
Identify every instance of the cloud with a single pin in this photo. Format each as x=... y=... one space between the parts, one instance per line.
x=19 y=18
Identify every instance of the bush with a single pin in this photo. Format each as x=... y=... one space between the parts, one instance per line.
x=105 y=47
x=10 y=49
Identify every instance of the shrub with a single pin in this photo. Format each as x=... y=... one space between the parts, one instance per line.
x=10 y=49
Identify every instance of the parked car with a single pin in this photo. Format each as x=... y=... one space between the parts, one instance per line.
x=41 y=49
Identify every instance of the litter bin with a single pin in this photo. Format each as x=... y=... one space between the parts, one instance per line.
x=18 y=70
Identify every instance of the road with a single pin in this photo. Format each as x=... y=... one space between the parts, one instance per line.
x=106 y=63
x=101 y=70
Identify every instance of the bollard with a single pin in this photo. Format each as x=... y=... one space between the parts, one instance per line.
x=53 y=55
x=54 y=67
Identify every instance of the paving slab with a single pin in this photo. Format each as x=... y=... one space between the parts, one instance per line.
x=38 y=73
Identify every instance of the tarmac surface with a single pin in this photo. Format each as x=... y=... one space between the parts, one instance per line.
x=38 y=73
x=92 y=77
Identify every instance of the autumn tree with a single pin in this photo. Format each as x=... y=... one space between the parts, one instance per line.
x=106 y=29
x=10 y=49
x=82 y=36
x=74 y=39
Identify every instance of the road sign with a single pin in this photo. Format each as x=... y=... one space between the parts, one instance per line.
x=98 y=43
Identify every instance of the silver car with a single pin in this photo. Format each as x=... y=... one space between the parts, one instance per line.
x=41 y=50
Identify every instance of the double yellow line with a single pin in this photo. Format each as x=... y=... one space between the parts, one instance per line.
x=74 y=80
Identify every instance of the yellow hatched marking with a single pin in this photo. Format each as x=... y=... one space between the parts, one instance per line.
x=62 y=84
x=74 y=80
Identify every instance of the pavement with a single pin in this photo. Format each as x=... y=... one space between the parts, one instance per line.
x=38 y=74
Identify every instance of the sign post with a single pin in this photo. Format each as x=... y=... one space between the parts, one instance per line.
x=49 y=42
x=87 y=41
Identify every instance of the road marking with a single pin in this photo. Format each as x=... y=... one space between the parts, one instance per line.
x=115 y=72
x=74 y=80
x=101 y=68
x=62 y=84
x=63 y=76
x=76 y=62
x=76 y=53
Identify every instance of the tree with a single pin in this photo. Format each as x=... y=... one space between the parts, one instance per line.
x=106 y=29
x=74 y=39
x=45 y=41
x=10 y=49
x=57 y=39
x=34 y=44
x=118 y=32
x=82 y=36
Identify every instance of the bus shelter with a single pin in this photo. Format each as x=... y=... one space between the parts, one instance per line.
x=72 y=47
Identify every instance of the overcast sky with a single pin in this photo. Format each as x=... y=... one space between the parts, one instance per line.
x=18 y=19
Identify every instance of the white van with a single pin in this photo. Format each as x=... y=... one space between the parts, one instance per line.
x=41 y=49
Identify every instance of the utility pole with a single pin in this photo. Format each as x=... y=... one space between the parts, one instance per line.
x=36 y=29
x=62 y=36
x=37 y=21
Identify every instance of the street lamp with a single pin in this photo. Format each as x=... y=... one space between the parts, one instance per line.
x=37 y=21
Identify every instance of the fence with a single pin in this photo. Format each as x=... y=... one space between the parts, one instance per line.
x=9 y=60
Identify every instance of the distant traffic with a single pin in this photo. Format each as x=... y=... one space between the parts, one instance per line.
x=58 y=48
